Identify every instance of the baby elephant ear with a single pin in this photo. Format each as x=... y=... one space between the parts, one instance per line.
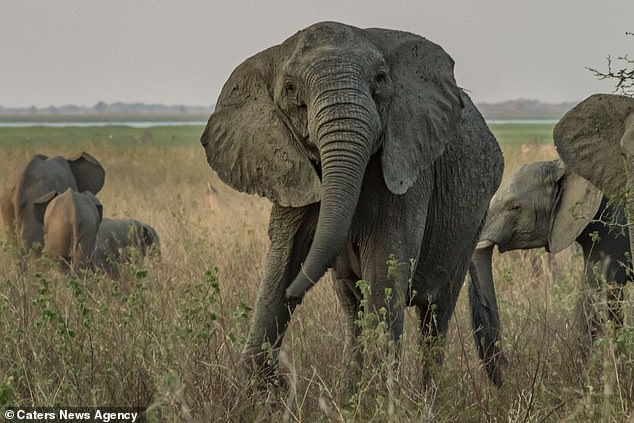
x=425 y=110
x=248 y=144
x=98 y=205
x=150 y=236
x=590 y=139
x=576 y=205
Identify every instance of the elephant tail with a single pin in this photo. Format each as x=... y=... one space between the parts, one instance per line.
x=485 y=323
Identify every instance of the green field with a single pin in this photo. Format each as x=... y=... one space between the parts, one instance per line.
x=512 y=133
x=520 y=133
x=97 y=136
x=168 y=335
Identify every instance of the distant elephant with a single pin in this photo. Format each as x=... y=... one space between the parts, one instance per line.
x=544 y=204
x=71 y=221
x=37 y=177
x=115 y=240
x=368 y=150
x=596 y=140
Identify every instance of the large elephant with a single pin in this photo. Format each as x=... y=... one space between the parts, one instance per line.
x=71 y=220
x=544 y=204
x=121 y=240
x=40 y=175
x=368 y=150
x=596 y=140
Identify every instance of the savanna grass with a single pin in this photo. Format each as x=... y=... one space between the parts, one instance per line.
x=168 y=335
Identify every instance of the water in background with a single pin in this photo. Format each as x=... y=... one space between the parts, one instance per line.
x=132 y=124
x=149 y=124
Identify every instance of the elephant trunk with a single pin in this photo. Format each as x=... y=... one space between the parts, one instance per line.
x=346 y=132
x=484 y=313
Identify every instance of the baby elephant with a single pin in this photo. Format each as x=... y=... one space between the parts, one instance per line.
x=545 y=204
x=121 y=241
x=71 y=221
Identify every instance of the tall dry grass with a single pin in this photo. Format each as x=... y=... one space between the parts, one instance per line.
x=168 y=335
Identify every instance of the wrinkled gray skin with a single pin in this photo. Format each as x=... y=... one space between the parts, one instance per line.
x=115 y=240
x=544 y=204
x=367 y=148
x=596 y=140
x=71 y=221
x=37 y=177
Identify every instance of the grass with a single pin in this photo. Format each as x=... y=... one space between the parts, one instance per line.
x=522 y=133
x=168 y=335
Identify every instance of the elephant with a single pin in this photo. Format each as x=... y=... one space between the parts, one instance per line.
x=545 y=204
x=596 y=140
x=370 y=153
x=71 y=220
x=39 y=176
x=116 y=238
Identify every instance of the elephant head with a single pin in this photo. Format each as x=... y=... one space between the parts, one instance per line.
x=150 y=243
x=542 y=204
x=596 y=139
x=298 y=122
x=39 y=176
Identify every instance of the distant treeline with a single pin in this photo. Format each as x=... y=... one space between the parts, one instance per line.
x=524 y=109
x=515 y=109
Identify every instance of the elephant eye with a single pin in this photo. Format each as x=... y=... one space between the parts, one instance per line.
x=380 y=77
x=289 y=87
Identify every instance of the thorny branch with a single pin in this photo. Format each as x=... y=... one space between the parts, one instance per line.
x=624 y=76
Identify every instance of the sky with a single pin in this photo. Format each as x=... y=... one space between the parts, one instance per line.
x=58 y=52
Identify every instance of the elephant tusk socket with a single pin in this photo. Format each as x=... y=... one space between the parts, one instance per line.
x=485 y=243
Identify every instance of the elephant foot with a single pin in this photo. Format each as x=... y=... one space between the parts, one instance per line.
x=261 y=371
x=493 y=367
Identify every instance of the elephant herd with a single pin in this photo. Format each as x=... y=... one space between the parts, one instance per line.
x=49 y=206
x=380 y=168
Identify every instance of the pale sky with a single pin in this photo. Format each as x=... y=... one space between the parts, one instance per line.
x=57 y=52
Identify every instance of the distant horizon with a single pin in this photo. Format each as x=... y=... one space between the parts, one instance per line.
x=518 y=109
x=150 y=104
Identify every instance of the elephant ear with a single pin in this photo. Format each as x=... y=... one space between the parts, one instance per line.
x=89 y=174
x=150 y=237
x=98 y=204
x=41 y=203
x=590 y=139
x=248 y=144
x=576 y=204
x=425 y=110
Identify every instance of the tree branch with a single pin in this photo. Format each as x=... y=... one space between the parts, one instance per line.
x=623 y=77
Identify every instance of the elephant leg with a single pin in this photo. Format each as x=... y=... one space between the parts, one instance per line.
x=615 y=302
x=590 y=313
x=387 y=271
x=439 y=276
x=291 y=231
x=434 y=314
x=350 y=298
x=82 y=252
x=436 y=284
x=431 y=348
